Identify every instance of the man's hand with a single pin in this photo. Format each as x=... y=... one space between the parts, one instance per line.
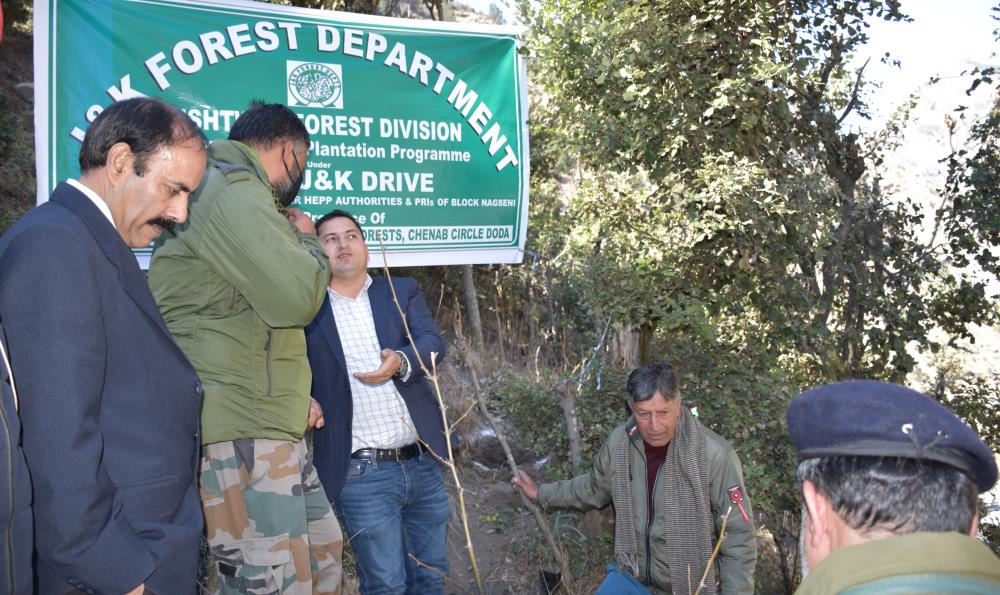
x=390 y=363
x=301 y=220
x=527 y=485
x=315 y=415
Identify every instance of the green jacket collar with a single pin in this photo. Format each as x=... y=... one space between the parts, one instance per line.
x=235 y=152
x=916 y=553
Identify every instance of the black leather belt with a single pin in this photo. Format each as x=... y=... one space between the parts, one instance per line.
x=389 y=454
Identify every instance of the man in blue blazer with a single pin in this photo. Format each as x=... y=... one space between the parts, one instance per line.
x=109 y=405
x=15 y=489
x=377 y=455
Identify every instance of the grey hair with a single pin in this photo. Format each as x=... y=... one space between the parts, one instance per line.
x=893 y=494
x=646 y=381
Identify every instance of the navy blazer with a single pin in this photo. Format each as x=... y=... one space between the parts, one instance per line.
x=109 y=406
x=331 y=385
x=15 y=493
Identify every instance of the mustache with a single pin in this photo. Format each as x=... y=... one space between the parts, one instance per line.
x=166 y=224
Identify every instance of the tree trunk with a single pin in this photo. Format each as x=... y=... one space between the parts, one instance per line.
x=567 y=399
x=630 y=346
x=472 y=307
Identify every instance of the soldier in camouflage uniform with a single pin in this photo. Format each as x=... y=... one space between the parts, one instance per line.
x=236 y=285
x=274 y=481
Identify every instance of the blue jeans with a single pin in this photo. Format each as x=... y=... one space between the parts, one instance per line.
x=619 y=582
x=392 y=510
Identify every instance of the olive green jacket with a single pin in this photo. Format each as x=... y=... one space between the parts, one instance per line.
x=236 y=284
x=738 y=554
x=914 y=563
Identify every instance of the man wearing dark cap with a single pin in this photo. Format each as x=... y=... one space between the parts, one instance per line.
x=889 y=479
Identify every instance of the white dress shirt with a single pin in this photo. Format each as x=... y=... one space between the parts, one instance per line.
x=380 y=419
x=97 y=200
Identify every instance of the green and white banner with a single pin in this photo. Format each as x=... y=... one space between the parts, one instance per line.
x=419 y=128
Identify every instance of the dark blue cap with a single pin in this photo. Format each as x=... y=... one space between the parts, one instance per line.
x=878 y=419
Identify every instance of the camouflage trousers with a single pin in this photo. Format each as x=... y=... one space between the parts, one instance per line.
x=269 y=525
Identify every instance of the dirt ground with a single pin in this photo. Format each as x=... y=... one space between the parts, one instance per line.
x=502 y=533
x=509 y=548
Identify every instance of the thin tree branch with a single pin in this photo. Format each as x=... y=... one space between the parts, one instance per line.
x=854 y=93
x=715 y=553
x=557 y=552
x=450 y=462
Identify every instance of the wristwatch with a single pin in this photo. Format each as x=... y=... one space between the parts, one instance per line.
x=404 y=366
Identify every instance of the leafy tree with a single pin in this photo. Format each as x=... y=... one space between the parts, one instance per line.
x=730 y=222
x=730 y=113
x=971 y=215
x=743 y=192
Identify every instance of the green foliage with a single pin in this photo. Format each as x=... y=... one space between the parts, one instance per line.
x=659 y=84
x=990 y=532
x=972 y=219
x=17 y=149
x=532 y=405
x=588 y=554
x=991 y=535
x=358 y=6
x=973 y=395
x=739 y=392
x=438 y=10
x=738 y=192
x=16 y=14
x=16 y=157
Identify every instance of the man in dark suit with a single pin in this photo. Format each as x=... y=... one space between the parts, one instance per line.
x=382 y=418
x=108 y=403
x=15 y=489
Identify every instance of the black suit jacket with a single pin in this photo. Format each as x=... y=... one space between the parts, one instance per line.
x=331 y=384
x=109 y=406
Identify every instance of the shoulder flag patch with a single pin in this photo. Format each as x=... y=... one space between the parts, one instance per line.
x=631 y=428
x=736 y=497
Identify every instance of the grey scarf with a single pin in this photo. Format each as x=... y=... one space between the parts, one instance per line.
x=686 y=509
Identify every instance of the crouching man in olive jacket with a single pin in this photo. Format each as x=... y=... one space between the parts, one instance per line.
x=672 y=481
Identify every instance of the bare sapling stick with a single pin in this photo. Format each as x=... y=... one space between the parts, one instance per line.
x=715 y=552
x=431 y=375
x=536 y=511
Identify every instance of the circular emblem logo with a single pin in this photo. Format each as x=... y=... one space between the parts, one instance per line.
x=314 y=84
